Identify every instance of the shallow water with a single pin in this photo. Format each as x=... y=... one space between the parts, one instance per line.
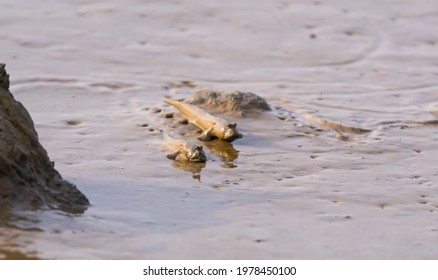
x=292 y=187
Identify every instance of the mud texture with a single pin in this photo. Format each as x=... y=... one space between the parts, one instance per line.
x=28 y=179
x=239 y=101
x=342 y=167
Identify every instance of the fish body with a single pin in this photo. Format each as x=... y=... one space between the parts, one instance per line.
x=212 y=127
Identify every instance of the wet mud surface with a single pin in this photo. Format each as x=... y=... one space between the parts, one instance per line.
x=343 y=166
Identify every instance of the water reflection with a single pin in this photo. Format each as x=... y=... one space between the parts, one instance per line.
x=192 y=167
x=15 y=236
x=222 y=149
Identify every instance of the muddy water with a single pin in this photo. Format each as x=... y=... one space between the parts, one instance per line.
x=301 y=183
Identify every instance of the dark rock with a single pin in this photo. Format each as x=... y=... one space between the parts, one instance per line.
x=28 y=179
x=183 y=121
x=169 y=115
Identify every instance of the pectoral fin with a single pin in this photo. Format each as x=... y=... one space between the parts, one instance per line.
x=206 y=135
x=174 y=155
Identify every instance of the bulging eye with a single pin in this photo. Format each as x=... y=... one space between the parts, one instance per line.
x=198 y=148
x=231 y=125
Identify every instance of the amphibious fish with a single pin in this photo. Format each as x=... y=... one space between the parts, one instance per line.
x=184 y=150
x=212 y=127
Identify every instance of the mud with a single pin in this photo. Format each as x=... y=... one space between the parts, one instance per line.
x=240 y=102
x=343 y=166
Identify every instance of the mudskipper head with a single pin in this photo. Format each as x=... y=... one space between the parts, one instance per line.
x=230 y=133
x=194 y=153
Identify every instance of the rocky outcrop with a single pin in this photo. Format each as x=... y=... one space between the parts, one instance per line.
x=28 y=179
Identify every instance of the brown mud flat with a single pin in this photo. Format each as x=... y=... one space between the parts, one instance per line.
x=343 y=167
